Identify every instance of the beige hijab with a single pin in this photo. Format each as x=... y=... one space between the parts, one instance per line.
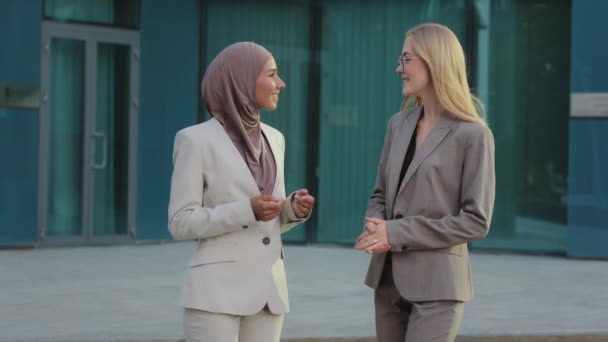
x=228 y=90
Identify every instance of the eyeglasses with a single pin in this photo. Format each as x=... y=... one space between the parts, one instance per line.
x=402 y=61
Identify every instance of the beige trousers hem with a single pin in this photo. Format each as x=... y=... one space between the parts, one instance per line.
x=204 y=326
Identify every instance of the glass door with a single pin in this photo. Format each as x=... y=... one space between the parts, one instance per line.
x=65 y=129
x=110 y=140
x=87 y=134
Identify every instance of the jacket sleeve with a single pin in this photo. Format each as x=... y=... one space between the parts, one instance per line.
x=376 y=205
x=287 y=217
x=477 y=203
x=188 y=219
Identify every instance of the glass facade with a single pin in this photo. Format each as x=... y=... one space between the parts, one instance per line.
x=338 y=59
x=124 y=13
x=517 y=56
x=522 y=58
x=360 y=90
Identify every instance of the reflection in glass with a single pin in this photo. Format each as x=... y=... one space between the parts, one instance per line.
x=359 y=92
x=111 y=140
x=123 y=13
x=66 y=119
x=522 y=75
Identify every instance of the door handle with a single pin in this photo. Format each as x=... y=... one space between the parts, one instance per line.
x=104 y=161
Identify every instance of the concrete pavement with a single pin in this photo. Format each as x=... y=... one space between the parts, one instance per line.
x=130 y=293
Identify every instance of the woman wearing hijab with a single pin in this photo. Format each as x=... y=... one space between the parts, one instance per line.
x=228 y=192
x=434 y=193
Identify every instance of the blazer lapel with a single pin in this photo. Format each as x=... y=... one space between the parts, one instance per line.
x=398 y=150
x=240 y=165
x=430 y=143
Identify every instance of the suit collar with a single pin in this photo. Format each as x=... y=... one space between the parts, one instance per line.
x=401 y=142
x=433 y=139
x=252 y=187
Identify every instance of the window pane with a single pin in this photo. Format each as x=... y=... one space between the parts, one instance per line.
x=111 y=140
x=361 y=41
x=65 y=144
x=523 y=68
x=124 y=13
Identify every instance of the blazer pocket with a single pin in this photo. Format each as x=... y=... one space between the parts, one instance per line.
x=213 y=255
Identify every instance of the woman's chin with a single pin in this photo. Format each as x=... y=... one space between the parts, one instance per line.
x=269 y=107
x=407 y=92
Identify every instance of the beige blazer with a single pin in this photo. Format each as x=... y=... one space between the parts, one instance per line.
x=237 y=267
x=445 y=200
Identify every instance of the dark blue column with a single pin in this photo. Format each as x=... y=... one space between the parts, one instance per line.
x=588 y=155
x=19 y=63
x=168 y=95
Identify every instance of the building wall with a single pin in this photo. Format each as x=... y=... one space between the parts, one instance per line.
x=338 y=58
x=169 y=74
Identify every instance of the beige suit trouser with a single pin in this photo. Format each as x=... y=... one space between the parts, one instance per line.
x=204 y=326
x=398 y=320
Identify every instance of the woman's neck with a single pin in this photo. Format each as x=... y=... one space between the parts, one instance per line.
x=432 y=107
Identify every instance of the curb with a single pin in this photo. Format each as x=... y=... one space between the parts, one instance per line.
x=496 y=338
x=603 y=337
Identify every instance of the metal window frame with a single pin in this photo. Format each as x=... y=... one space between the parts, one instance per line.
x=92 y=36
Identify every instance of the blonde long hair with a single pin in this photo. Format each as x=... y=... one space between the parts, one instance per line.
x=440 y=49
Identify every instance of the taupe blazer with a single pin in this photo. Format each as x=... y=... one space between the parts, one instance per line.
x=445 y=200
x=238 y=264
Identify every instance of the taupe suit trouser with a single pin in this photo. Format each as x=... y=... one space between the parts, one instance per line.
x=204 y=326
x=398 y=320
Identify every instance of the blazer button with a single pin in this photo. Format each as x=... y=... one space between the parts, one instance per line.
x=245 y=227
x=266 y=241
x=403 y=248
x=399 y=216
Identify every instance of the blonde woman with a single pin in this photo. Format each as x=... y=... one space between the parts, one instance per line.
x=434 y=192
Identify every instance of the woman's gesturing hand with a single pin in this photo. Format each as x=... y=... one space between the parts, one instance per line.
x=302 y=203
x=266 y=207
